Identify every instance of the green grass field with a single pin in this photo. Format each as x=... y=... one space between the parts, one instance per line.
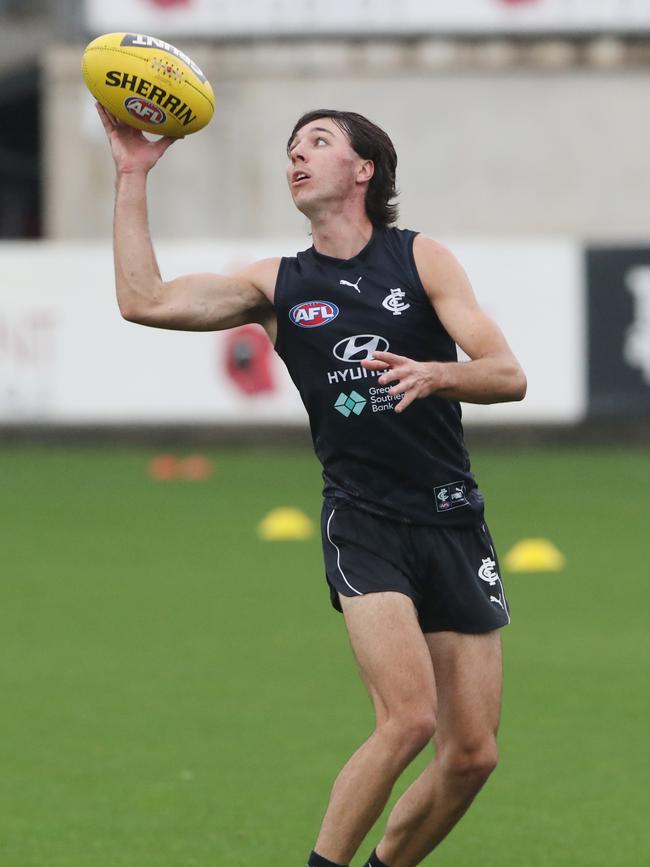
x=177 y=693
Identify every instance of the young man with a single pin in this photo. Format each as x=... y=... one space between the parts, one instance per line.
x=366 y=321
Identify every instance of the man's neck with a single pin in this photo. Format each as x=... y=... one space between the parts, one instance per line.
x=341 y=238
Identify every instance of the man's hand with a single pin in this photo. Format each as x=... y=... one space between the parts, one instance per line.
x=413 y=378
x=131 y=150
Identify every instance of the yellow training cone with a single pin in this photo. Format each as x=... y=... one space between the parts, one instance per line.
x=534 y=555
x=285 y=524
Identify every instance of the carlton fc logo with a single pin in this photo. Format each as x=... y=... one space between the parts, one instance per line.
x=487 y=571
x=311 y=314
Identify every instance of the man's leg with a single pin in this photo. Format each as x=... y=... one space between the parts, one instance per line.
x=468 y=679
x=395 y=665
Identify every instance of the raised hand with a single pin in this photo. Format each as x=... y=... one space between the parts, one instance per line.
x=413 y=378
x=132 y=151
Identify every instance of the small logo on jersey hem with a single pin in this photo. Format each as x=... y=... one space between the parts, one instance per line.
x=451 y=496
x=393 y=302
x=312 y=314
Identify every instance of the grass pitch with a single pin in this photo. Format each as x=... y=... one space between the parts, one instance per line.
x=177 y=693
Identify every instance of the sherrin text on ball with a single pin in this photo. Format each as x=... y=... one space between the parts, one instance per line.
x=148 y=83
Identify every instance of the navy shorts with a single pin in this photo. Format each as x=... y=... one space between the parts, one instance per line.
x=451 y=574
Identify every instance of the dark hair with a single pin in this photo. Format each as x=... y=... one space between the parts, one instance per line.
x=371 y=143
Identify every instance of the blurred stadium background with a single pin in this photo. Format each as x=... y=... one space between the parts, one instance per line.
x=177 y=692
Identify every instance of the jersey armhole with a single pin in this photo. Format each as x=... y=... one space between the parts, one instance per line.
x=414 y=269
x=419 y=284
x=276 y=298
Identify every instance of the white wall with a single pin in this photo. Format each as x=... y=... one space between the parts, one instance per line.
x=492 y=140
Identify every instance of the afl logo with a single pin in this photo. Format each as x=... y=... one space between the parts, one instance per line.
x=311 y=314
x=359 y=348
x=145 y=110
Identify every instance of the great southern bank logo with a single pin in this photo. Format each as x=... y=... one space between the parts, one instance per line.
x=347 y=404
x=311 y=314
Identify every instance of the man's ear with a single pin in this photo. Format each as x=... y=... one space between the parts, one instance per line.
x=366 y=171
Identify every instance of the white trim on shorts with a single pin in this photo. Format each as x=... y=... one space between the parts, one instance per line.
x=503 y=592
x=338 y=556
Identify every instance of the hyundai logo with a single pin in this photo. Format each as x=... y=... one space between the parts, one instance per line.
x=359 y=348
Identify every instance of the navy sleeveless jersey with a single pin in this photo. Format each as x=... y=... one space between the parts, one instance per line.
x=331 y=314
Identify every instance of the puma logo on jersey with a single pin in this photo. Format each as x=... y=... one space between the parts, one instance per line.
x=353 y=285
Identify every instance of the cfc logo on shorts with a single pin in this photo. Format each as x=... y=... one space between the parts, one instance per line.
x=487 y=571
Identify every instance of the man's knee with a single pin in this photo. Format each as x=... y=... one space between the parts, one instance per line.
x=470 y=763
x=411 y=730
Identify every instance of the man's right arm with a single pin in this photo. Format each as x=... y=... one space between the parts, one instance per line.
x=195 y=302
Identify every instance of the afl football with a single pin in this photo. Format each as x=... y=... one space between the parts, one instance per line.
x=148 y=83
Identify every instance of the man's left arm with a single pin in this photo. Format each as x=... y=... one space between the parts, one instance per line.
x=492 y=375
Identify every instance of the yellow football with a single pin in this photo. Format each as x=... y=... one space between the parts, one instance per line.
x=148 y=83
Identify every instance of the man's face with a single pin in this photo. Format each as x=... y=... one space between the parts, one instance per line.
x=323 y=168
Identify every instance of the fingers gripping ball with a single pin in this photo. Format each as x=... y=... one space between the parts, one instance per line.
x=148 y=84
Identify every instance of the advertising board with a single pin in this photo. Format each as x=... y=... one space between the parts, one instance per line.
x=619 y=331
x=231 y=18
x=67 y=356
